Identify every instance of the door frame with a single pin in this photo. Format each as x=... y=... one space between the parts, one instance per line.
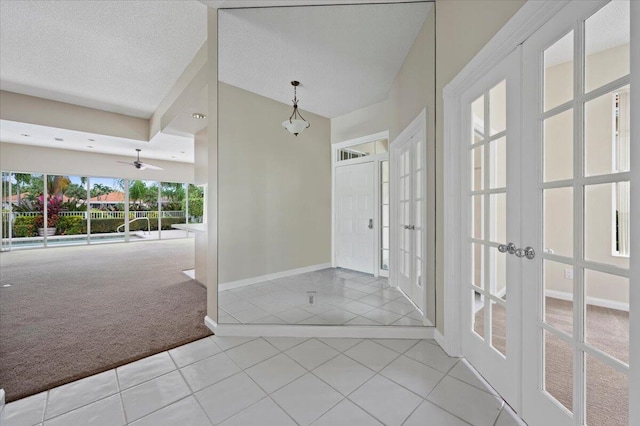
x=377 y=158
x=531 y=16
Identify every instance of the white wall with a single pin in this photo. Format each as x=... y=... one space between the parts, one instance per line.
x=26 y=158
x=274 y=188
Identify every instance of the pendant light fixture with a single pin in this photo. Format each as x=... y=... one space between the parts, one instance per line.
x=296 y=123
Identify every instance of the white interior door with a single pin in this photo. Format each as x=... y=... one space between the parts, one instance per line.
x=409 y=157
x=576 y=210
x=491 y=296
x=355 y=204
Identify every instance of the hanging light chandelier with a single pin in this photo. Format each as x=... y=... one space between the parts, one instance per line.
x=296 y=123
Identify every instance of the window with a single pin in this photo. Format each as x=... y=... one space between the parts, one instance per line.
x=621 y=194
x=363 y=150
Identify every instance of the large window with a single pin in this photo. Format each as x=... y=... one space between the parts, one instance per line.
x=40 y=210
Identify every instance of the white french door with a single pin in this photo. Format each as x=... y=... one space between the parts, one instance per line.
x=548 y=283
x=409 y=163
x=576 y=199
x=491 y=292
x=355 y=213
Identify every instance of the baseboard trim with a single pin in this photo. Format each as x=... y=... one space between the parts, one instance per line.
x=596 y=301
x=438 y=337
x=255 y=280
x=191 y=273
x=211 y=324
x=283 y=330
x=2 y=416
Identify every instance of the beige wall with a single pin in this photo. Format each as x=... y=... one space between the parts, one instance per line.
x=27 y=158
x=603 y=66
x=362 y=122
x=274 y=188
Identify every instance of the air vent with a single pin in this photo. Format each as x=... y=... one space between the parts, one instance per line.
x=59 y=140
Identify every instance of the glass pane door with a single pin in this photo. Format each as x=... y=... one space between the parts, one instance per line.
x=404 y=219
x=487 y=197
x=581 y=283
x=492 y=334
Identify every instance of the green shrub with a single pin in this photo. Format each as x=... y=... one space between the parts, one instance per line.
x=102 y=226
x=25 y=226
x=70 y=225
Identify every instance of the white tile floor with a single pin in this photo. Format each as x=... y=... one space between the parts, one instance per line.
x=341 y=297
x=276 y=381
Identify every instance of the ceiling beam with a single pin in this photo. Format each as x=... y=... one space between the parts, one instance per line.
x=44 y=112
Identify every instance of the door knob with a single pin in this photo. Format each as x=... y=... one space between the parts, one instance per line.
x=529 y=252
x=503 y=248
x=370 y=223
x=412 y=227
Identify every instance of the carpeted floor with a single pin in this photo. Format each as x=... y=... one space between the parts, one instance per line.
x=76 y=311
x=607 y=330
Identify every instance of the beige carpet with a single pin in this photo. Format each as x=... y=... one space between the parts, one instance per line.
x=607 y=330
x=76 y=311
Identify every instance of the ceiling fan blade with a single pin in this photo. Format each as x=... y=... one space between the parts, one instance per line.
x=151 y=166
x=125 y=162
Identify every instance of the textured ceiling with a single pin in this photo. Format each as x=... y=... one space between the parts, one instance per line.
x=119 y=56
x=346 y=56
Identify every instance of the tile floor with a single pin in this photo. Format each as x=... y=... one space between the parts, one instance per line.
x=341 y=297
x=276 y=381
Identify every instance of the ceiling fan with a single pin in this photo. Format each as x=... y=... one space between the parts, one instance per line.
x=140 y=165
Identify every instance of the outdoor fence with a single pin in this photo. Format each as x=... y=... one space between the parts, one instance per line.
x=152 y=214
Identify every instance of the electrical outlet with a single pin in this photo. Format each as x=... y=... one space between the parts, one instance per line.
x=311 y=298
x=568 y=273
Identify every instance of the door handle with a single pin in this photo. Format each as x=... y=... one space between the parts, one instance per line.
x=527 y=252
x=503 y=248
x=370 y=223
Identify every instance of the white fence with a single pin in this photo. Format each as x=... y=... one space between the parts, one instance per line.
x=152 y=214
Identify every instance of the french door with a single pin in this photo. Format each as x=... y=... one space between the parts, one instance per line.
x=576 y=214
x=409 y=163
x=491 y=296
x=355 y=212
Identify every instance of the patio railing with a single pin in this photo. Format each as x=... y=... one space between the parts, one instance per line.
x=152 y=214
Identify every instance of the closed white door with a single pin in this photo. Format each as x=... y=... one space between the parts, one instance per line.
x=491 y=292
x=355 y=204
x=409 y=158
x=576 y=207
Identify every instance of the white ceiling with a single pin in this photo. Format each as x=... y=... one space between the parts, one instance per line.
x=119 y=56
x=346 y=57
x=608 y=28
x=161 y=147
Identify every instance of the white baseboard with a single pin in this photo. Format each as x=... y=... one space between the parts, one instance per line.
x=439 y=338
x=596 y=301
x=191 y=273
x=211 y=324
x=2 y=411
x=255 y=280
x=282 y=330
